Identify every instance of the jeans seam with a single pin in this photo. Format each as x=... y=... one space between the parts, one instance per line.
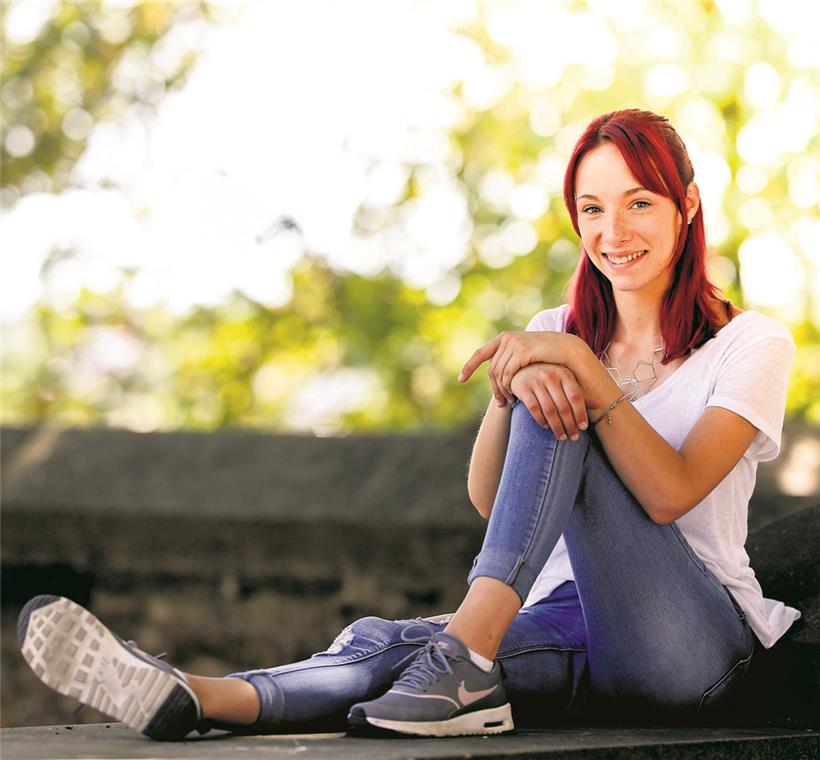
x=351 y=658
x=728 y=674
x=535 y=648
x=710 y=576
x=699 y=563
x=741 y=613
x=688 y=549
x=546 y=480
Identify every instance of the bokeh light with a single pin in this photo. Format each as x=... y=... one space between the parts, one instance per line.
x=217 y=173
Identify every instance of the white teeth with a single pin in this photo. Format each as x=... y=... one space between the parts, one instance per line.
x=624 y=259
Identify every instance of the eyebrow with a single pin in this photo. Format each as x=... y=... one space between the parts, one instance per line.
x=628 y=192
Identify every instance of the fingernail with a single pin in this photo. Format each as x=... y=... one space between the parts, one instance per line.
x=583 y=426
x=460 y=377
x=576 y=437
x=562 y=438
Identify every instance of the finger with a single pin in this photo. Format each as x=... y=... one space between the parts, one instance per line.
x=480 y=355
x=533 y=404
x=500 y=398
x=492 y=373
x=576 y=400
x=551 y=412
x=563 y=407
x=500 y=362
x=511 y=366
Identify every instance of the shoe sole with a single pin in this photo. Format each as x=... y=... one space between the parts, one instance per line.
x=494 y=720
x=73 y=653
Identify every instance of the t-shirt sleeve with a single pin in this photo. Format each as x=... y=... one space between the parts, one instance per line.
x=752 y=381
x=551 y=320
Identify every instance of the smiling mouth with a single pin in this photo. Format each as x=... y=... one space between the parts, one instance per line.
x=624 y=259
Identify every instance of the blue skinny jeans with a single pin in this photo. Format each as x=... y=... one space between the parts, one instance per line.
x=645 y=630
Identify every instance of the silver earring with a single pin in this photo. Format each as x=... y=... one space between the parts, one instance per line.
x=689 y=222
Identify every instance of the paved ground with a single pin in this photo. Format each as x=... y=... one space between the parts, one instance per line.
x=118 y=742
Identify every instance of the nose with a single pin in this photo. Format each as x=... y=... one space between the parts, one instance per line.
x=615 y=228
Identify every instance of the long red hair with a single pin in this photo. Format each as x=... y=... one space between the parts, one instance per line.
x=657 y=157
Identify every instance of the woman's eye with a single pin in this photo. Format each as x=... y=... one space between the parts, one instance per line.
x=642 y=204
x=589 y=210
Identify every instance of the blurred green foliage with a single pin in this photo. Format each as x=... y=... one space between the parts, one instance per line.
x=74 y=73
x=242 y=363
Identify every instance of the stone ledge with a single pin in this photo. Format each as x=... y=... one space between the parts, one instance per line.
x=211 y=627
x=244 y=475
x=239 y=475
x=590 y=743
x=173 y=538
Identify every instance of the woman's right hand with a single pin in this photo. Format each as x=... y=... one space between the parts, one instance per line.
x=554 y=398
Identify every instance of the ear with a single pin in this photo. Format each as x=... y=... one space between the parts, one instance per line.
x=692 y=201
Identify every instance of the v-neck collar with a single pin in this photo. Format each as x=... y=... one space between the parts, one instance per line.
x=719 y=335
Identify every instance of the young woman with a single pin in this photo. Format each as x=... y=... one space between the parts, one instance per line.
x=615 y=464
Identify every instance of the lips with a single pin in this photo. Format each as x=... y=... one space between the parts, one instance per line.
x=622 y=258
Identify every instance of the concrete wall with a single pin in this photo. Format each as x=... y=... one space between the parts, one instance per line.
x=236 y=550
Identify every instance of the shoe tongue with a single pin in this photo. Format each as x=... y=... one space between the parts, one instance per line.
x=451 y=645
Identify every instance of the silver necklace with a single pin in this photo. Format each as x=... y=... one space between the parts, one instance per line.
x=631 y=386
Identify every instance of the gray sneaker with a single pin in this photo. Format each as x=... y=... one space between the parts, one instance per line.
x=75 y=654
x=441 y=693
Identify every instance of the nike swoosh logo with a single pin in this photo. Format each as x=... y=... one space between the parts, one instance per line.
x=468 y=697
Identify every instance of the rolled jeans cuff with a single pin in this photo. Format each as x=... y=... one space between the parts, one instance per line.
x=271 y=698
x=511 y=569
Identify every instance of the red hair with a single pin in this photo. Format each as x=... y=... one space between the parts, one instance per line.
x=657 y=157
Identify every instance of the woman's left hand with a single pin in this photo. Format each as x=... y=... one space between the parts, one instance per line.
x=510 y=351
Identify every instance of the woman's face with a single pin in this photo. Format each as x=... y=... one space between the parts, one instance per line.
x=628 y=232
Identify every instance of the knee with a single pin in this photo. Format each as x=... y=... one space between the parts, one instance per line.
x=365 y=635
x=524 y=418
x=371 y=625
x=525 y=415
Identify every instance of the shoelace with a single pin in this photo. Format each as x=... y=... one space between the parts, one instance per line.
x=134 y=644
x=430 y=663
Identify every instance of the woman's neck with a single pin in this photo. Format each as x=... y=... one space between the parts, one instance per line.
x=638 y=320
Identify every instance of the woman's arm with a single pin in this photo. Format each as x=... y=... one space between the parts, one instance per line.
x=487 y=460
x=667 y=483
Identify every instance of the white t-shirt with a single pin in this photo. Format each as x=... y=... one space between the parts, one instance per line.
x=744 y=368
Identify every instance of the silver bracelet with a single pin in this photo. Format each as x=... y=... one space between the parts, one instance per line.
x=607 y=411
